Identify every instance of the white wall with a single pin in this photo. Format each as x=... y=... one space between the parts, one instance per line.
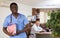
x=48 y=4
x=24 y=9
x=3 y=13
x=43 y=17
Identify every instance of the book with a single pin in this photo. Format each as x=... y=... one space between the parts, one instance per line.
x=12 y=28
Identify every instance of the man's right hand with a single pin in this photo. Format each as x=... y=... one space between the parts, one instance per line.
x=10 y=34
x=6 y=32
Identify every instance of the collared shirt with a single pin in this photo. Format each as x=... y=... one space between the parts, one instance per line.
x=35 y=29
x=20 y=21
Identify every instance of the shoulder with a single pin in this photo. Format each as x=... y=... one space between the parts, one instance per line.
x=8 y=16
x=22 y=16
x=34 y=26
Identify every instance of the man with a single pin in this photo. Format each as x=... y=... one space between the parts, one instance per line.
x=19 y=19
x=36 y=28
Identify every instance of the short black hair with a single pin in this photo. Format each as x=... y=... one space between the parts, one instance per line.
x=37 y=20
x=13 y=4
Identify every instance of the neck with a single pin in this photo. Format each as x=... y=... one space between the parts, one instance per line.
x=36 y=25
x=15 y=15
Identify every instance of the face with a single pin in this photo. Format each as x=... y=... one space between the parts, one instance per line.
x=37 y=23
x=14 y=9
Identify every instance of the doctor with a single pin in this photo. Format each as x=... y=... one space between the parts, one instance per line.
x=19 y=19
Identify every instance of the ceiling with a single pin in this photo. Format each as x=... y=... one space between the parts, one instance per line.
x=32 y=2
x=27 y=2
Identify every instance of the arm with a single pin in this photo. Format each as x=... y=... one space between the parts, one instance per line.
x=6 y=32
x=5 y=24
x=24 y=30
x=26 y=24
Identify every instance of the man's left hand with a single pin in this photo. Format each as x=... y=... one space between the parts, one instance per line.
x=18 y=32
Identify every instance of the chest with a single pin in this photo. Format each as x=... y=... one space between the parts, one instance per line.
x=18 y=20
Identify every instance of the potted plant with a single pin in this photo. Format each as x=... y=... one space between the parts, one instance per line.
x=54 y=23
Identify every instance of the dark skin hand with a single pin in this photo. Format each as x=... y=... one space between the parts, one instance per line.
x=6 y=32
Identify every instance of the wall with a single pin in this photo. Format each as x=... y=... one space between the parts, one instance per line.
x=44 y=15
x=4 y=11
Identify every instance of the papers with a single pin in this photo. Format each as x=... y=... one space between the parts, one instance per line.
x=12 y=28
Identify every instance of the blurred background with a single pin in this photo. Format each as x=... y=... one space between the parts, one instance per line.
x=29 y=8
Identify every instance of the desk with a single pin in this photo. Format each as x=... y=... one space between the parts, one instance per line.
x=44 y=35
